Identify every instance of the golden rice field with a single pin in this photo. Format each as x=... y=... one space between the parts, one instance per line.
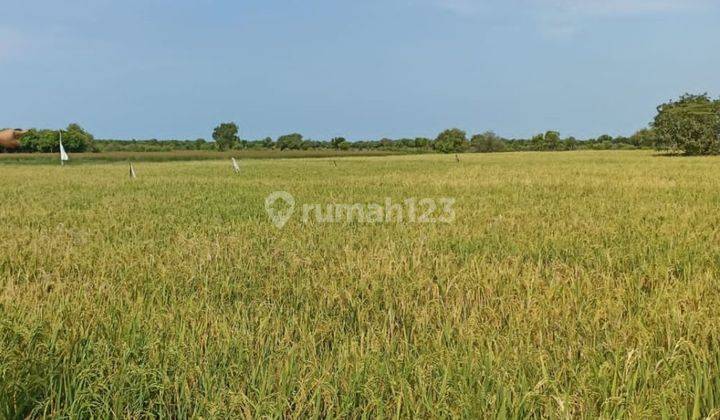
x=578 y=284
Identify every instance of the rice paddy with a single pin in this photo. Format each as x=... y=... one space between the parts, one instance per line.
x=578 y=284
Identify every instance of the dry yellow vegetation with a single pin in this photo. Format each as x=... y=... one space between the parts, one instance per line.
x=577 y=284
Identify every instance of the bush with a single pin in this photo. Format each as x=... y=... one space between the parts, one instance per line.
x=75 y=139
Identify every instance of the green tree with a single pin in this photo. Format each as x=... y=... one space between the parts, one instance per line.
x=30 y=141
x=199 y=144
x=690 y=124
x=644 y=138
x=552 y=140
x=537 y=142
x=290 y=141
x=422 y=142
x=406 y=143
x=76 y=139
x=337 y=141
x=487 y=142
x=451 y=140
x=225 y=135
x=605 y=138
x=385 y=143
x=571 y=143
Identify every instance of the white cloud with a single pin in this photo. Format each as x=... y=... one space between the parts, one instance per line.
x=621 y=7
x=573 y=7
x=461 y=7
x=562 y=19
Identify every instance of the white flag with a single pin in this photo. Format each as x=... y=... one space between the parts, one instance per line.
x=236 y=167
x=63 y=155
x=132 y=171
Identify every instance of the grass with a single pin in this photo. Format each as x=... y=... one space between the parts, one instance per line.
x=581 y=284
x=183 y=155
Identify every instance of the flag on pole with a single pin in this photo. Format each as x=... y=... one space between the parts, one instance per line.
x=63 y=155
x=235 y=166
x=132 y=171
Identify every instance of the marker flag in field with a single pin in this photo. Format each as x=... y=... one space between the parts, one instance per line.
x=63 y=155
x=132 y=171
x=236 y=167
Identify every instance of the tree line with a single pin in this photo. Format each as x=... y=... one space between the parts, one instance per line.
x=74 y=139
x=689 y=125
x=451 y=140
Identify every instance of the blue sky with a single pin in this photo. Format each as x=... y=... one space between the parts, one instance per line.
x=364 y=69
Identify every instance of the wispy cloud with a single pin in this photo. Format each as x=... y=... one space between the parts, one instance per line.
x=622 y=7
x=562 y=19
x=461 y=7
x=576 y=7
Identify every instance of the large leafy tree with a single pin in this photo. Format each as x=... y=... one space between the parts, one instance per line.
x=292 y=141
x=225 y=135
x=487 y=142
x=76 y=139
x=691 y=125
x=452 y=140
x=552 y=140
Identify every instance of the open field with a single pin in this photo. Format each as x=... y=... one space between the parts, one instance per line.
x=578 y=284
x=183 y=155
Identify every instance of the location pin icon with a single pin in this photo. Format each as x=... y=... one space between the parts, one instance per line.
x=279 y=206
